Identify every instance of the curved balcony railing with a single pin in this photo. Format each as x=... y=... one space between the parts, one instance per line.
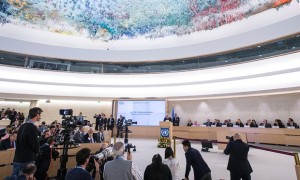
x=287 y=45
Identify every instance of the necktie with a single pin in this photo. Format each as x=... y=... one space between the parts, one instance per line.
x=12 y=145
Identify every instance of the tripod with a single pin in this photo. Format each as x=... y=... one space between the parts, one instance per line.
x=62 y=171
x=128 y=146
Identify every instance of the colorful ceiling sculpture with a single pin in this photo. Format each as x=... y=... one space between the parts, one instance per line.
x=126 y=19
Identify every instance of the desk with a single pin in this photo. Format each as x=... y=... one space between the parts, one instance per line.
x=4 y=123
x=279 y=136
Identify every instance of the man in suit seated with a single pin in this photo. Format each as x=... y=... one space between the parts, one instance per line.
x=207 y=123
x=266 y=124
x=91 y=137
x=9 y=142
x=229 y=123
x=238 y=163
x=292 y=123
x=45 y=136
x=5 y=131
x=79 y=135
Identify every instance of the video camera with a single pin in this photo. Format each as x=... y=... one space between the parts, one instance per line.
x=129 y=122
x=230 y=138
x=128 y=147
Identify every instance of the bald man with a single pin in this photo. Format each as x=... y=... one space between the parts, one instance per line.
x=238 y=163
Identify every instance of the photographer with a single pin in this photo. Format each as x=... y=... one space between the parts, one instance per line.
x=44 y=158
x=79 y=172
x=120 y=168
x=238 y=163
x=120 y=126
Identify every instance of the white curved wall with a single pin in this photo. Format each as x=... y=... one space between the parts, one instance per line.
x=262 y=27
x=275 y=74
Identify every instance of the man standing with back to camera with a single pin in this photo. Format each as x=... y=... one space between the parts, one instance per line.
x=27 y=146
x=238 y=163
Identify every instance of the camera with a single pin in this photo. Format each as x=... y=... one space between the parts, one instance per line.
x=129 y=122
x=230 y=138
x=128 y=147
x=103 y=155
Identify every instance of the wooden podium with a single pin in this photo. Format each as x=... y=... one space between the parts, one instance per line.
x=165 y=134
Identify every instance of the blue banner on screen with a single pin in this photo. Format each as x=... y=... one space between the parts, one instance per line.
x=145 y=113
x=164 y=132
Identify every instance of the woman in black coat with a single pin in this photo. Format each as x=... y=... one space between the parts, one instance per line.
x=157 y=170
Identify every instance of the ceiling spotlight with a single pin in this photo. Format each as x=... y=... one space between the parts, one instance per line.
x=260 y=55
x=2 y=58
x=183 y=61
x=115 y=69
x=293 y=47
x=226 y=61
x=258 y=46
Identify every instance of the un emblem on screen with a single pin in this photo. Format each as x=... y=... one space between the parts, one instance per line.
x=164 y=132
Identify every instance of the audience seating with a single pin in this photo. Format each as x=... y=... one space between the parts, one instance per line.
x=6 y=162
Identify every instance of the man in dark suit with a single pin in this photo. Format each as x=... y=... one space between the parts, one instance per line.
x=91 y=137
x=27 y=146
x=207 y=123
x=110 y=123
x=98 y=117
x=266 y=124
x=238 y=163
x=3 y=132
x=79 y=135
x=194 y=159
x=176 y=120
x=9 y=142
x=167 y=118
x=292 y=123
x=120 y=126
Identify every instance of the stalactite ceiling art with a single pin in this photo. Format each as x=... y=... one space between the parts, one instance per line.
x=109 y=20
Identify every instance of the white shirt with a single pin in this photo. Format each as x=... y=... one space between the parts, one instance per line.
x=173 y=164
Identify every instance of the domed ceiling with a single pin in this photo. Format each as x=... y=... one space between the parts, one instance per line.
x=111 y=20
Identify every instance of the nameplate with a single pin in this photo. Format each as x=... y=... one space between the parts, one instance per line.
x=261 y=126
x=203 y=125
x=276 y=127
x=236 y=126
x=213 y=126
x=291 y=127
x=246 y=126
x=224 y=125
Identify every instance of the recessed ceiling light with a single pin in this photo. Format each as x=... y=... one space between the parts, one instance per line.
x=183 y=61
x=293 y=47
x=226 y=61
x=115 y=69
x=258 y=46
x=260 y=55
x=298 y=36
x=2 y=58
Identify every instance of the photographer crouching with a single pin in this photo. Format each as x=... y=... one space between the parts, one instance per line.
x=238 y=163
x=79 y=172
x=102 y=156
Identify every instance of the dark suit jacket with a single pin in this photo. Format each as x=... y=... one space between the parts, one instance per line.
x=169 y=118
x=5 y=144
x=95 y=137
x=79 y=137
x=27 y=144
x=207 y=124
x=268 y=125
x=238 y=160
x=176 y=121
x=241 y=124
x=194 y=159
x=294 y=124
x=110 y=121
